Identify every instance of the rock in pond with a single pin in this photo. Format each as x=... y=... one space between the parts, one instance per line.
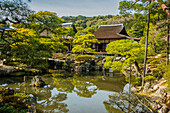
x=37 y=81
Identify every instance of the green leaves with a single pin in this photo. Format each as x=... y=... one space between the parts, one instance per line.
x=42 y=21
x=29 y=49
x=85 y=58
x=13 y=11
x=125 y=52
x=83 y=43
x=124 y=7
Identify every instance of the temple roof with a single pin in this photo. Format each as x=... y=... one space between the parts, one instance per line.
x=109 y=31
x=68 y=24
x=71 y=24
x=116 y=31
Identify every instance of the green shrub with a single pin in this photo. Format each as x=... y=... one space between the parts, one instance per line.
x=167 y=76
x=13 y=63
x=85 y=57
x=161 y=69
x=149 y=78
x=22 y=65
x=21 y=95
x=31 y=70
x=153 y=62
x=99 y=62
x=57 y=75
x=138 y=81
x=135 y=81
x=11 y=109
x=156 y=73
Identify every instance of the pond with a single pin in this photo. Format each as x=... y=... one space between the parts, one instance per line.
x=73 y=93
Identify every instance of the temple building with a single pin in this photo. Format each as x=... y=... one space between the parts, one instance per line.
x=63 y=38
x=71 y=24
x=67 y=39
x=108 y=33
x=48 y=34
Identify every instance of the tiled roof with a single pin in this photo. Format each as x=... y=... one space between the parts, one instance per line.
x=110 y=31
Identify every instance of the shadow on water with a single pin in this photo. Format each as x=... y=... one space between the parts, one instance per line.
x=94 y=92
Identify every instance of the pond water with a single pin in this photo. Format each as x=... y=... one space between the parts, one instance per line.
x=72 y=93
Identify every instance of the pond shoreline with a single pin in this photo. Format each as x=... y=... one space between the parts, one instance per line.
x=137 y=90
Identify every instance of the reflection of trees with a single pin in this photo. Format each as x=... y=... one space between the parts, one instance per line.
x=81 y=85
x=48 y=99
x=110 y=108
x=63 y=85
x=124 y=102
x=54 y=103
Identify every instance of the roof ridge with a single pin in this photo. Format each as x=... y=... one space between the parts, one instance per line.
x=69 y=23
x=112 y=25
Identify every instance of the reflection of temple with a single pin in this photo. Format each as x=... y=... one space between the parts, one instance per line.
x=108 y=33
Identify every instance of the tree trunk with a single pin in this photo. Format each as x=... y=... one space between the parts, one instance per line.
x=165 y=8
x=136 y=66
x=167 y=48
x=154 y=47
x=146 y=46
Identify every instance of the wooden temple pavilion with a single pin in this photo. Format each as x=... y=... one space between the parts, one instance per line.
x=108 y=33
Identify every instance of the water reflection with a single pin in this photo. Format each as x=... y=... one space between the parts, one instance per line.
x=81 y=85
x=72 y=93
x=54 y=103
x=126 y=102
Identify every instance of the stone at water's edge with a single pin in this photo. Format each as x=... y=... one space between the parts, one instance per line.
x=8 y=91
x=161 y=92
x=158 y=95
x=37 y=81
x=146 y=87
x=32 y=108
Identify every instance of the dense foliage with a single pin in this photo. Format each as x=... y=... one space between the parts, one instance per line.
x=83 y=43
x=129 y=52
x=27 y=42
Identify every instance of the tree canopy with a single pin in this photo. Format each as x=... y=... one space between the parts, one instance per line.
x=83 y=43
x=129 y=52
x=13 y=11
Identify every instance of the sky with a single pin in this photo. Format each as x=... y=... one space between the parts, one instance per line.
x=77 y=7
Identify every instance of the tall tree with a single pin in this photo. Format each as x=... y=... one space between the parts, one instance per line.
x=42 y=21
x=146 y=45
x=13 y=11
x=165 y=8
x=167 y=55
x=143 y=5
